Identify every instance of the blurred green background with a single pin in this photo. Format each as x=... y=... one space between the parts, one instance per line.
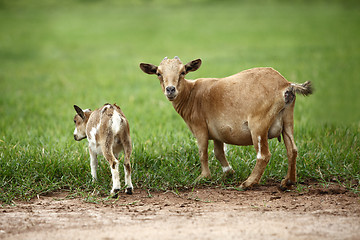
x=54 y=54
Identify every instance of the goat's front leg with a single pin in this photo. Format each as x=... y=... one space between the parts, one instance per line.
x=220 y=155
x=202 y=143
x=93 y=164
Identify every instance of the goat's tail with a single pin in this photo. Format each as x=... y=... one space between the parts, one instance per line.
x=304 y=89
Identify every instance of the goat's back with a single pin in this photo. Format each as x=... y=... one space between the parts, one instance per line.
x=106 y=120
x=246 y=93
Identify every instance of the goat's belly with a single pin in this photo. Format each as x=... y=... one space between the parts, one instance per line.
x=235 y=135
x=240 y=134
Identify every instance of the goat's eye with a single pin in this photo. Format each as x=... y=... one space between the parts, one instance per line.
x=182 y=73
x=75 y=121
x=158 y=74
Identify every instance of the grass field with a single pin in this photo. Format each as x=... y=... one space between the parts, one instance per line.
x=54 y=55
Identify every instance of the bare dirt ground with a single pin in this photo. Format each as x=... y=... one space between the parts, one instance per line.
x=204 y=213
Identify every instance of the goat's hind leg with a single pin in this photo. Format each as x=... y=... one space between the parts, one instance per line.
x=263 y=156
x=291 y=149
x=127 y=167
x=114 y=166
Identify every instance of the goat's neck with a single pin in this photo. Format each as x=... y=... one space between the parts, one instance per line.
x=183 y=104
x=87 y=116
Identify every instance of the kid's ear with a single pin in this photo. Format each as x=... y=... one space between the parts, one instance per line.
x=193 y=65
x=79 y=111
x=148 y=68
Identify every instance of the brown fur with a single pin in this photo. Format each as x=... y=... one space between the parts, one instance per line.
x=243 y=109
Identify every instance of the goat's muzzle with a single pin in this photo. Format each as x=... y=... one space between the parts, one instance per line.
x=78 y=139
x=170 y=92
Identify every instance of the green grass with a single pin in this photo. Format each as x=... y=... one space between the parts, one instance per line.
x=54 y=55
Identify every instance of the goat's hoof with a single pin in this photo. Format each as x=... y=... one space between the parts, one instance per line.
x=129 y=191
x=243 y=187
x=228 y=173
x=202 y=179
x=286 y=184
x=115 y=193
x=248 y=185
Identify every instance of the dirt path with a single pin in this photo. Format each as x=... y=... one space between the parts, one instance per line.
x=263 y=213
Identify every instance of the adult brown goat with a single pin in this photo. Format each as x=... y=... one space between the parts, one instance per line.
x=247 y=108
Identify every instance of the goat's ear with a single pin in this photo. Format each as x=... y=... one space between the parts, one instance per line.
x=79 y=111
x=148 y=68
x=193 y=65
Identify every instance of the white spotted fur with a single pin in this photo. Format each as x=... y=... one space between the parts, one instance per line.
x=107 y=131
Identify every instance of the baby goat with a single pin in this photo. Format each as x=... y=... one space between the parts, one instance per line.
x=108 y=132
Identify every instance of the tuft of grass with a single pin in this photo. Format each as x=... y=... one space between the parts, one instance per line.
x=54 y=55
